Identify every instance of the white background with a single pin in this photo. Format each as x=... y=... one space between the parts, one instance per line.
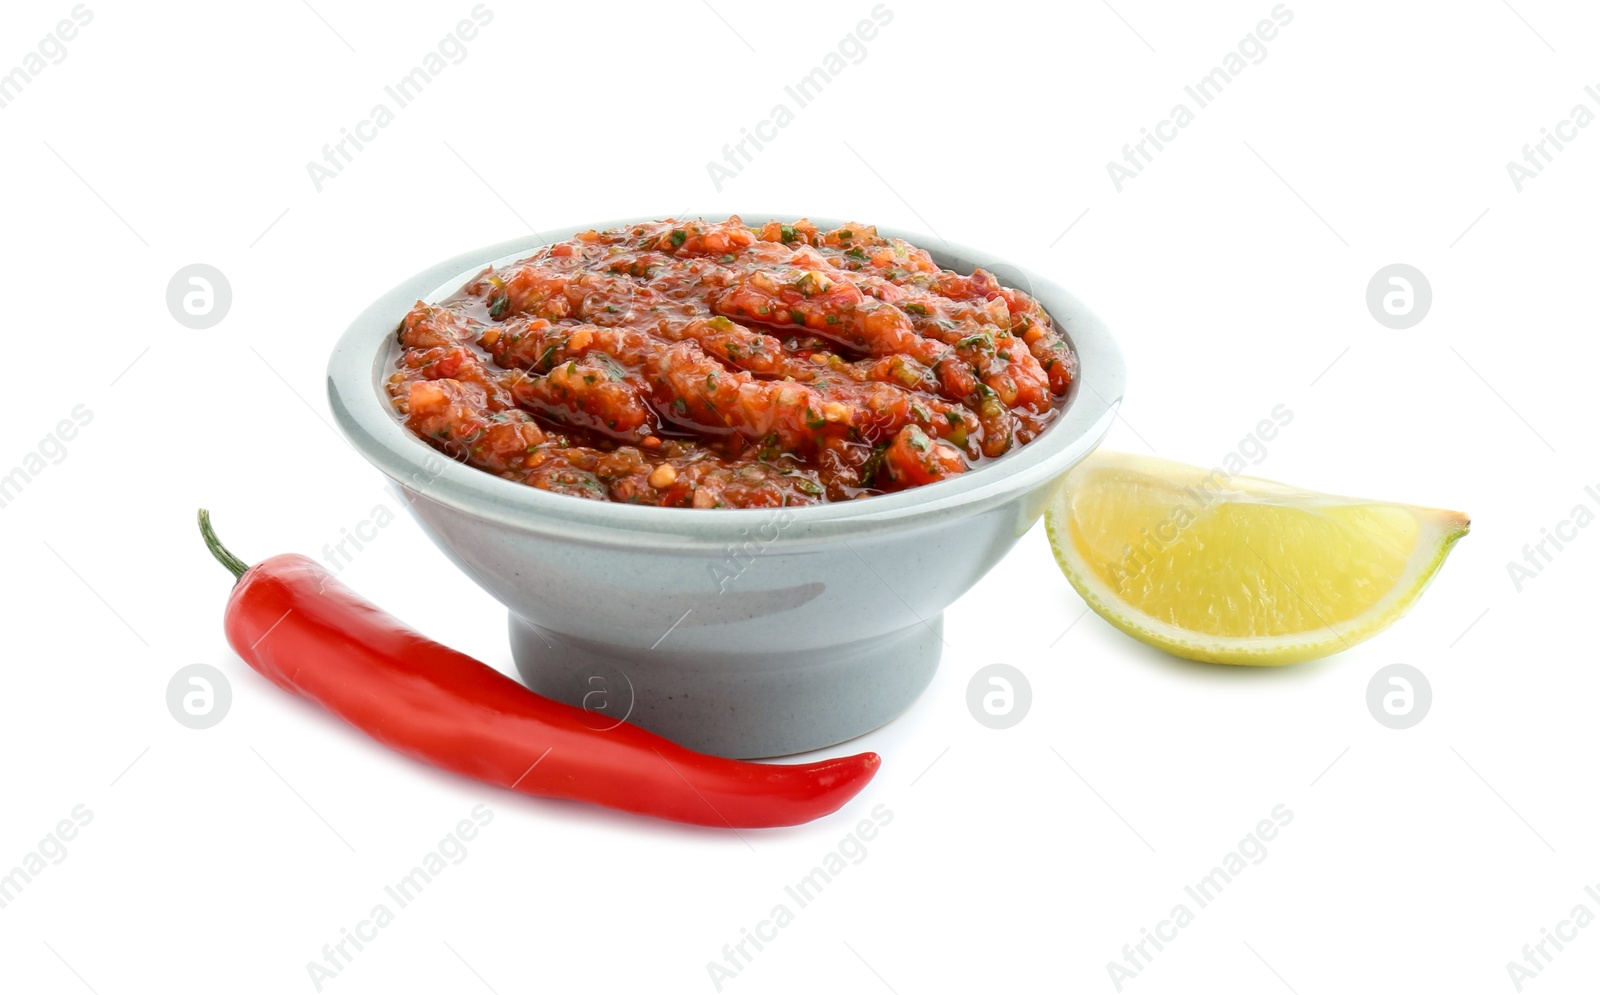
x=1233 y=271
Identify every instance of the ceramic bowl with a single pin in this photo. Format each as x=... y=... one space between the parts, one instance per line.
x=739 y=632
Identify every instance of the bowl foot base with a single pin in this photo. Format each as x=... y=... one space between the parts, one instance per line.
x=766 y=705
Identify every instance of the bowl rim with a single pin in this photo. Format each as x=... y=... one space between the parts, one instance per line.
x=360 y=360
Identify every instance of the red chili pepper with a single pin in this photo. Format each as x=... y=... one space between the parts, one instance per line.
x=290 y=620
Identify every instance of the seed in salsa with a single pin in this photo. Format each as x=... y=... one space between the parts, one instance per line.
x=705 y=364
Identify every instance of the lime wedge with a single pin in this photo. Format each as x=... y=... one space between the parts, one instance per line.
x=1231 y=569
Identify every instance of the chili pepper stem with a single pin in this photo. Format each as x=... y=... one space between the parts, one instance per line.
x=235 y=566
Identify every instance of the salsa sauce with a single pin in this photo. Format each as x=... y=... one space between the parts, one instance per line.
x=715 y=365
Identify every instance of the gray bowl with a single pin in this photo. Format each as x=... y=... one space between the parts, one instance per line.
x=739 y=632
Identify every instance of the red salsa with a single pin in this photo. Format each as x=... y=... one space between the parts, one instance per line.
x=716 y=365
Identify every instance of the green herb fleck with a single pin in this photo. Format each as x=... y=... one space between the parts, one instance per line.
x=979 y=341
x=869 y=469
